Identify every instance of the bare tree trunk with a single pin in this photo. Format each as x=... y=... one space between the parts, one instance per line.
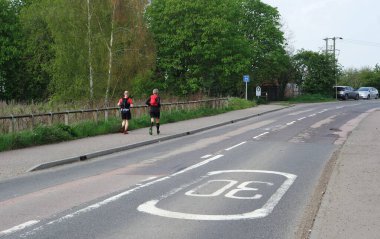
x=89 y=16
x=110 y=55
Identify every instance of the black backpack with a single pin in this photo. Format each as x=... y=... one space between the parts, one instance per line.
x=125 y=104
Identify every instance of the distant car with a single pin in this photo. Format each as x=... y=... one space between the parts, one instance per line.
x=346 y=92
x=368 y=93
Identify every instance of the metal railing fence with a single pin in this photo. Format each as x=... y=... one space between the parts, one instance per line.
x=15 y=123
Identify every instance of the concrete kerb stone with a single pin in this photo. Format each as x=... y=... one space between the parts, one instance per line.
x=140 y=144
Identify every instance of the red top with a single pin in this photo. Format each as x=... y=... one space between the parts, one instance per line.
x=128 y=101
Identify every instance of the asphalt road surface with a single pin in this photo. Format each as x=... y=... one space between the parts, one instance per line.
x=252 y=179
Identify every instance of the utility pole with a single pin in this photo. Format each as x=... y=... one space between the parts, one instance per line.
x=327 y=45
x=334 y=55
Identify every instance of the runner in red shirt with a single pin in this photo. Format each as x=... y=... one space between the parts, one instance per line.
x=154 y=102
x=125 y=104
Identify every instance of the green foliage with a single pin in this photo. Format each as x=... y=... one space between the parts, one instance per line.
x=238 y=103
x=363 y=77
x=317 y=72
x=10 y=51
x=206 y=46
x=311 y=98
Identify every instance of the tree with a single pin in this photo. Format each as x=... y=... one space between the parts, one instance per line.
x=10 y=51
x=316 y=71
x=199 y=45
x=38 y=54
x=261 y=25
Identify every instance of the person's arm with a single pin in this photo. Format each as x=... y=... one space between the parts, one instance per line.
x=158 y=99
x=148 y=101
x=131 y=102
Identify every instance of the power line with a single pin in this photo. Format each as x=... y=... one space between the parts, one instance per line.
x=360 y=42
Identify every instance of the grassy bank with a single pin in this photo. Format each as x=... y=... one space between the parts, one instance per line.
x=58 y=133
x=311 y=98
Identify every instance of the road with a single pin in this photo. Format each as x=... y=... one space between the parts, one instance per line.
x=253 y=179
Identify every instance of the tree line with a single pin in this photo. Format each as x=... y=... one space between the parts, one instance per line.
x=91 y=50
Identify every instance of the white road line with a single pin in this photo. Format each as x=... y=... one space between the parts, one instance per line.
x=312 y=115
x=301 y=118
x=290 y=123
x=236 y=146
x=120 y=195
x=258 y=136
x=206 y=156
x=18 y=227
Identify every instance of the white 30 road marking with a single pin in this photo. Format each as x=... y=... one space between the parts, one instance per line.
x=18 y=228
x=150 y=207
x=258 y=136
x=235 y=146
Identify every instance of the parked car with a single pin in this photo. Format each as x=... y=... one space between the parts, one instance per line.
x=346 y=92
x=368 y=93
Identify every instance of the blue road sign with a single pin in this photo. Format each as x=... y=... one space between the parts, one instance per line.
x=246 y=78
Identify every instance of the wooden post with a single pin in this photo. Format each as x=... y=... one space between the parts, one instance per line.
x=67 y=118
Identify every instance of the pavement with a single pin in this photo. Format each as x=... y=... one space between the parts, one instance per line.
x=350 y=207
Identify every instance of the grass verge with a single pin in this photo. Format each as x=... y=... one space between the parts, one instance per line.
x=42 y=135
x=311 y=98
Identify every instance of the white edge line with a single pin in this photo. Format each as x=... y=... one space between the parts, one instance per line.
x=236 y=146
x=258 y=136
x=18 y=227
x=301 y=118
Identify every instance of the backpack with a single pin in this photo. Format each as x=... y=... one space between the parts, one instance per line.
x=125 y=104
x=154 y=100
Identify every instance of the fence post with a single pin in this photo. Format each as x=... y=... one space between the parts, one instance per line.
x=50 y=120
x=96 y=115
x=12 y=128
x=67 y=118
x=106 y=114
x=32 y=121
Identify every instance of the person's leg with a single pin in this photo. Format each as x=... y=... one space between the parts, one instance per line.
x=158 y=125
x=151 y=125
x=126 y=127
x=122 y=126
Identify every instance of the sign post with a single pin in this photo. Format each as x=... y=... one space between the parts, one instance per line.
x=258 y=91
x=246 y=80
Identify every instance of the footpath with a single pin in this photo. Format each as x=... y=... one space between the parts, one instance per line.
x=350 y=207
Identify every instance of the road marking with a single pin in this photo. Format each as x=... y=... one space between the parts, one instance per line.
x=18 y=227
x=312 y=115
x=206 y=156
x=258 y=136
x=236 y=146
x=301 y=118
x=150 y=207
x=290 y=123
x=323 y=111
x=120 y=195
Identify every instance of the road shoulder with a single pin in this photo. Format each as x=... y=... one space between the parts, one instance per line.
x=350 y=207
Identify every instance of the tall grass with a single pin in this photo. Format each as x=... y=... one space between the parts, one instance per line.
x=58 y=133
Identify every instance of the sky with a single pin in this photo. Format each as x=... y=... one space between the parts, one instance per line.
x=307 y=22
